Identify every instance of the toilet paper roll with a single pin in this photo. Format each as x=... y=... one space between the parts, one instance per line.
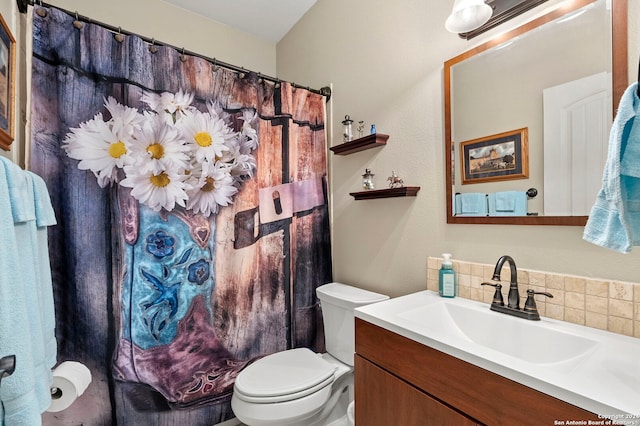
x=70 y=380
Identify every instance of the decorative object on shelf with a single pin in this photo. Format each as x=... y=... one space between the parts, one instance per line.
x=373 y=129
x=394 y=180
x=405 y=191
x=347 y=132
x=360 y=128
x=370 y=141
x=367 y=180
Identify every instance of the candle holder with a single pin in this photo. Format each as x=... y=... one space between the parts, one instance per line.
x=368 y=180
x=347 y=132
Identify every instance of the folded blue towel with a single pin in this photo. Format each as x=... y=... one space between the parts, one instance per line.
x=508 y=203
x=505 y=201
x=614 y=221
x=471 y=204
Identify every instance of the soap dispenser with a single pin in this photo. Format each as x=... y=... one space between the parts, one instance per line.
x=447 y=277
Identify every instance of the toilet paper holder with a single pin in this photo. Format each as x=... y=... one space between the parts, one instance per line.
x=70 y=380
x=7 y=366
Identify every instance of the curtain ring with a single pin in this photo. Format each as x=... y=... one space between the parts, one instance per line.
x=152 y=47
x=41 y=11
x=119 y=37
x=78 y=23
x=183 y=58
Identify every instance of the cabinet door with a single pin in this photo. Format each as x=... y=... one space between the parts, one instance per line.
x=382 y=399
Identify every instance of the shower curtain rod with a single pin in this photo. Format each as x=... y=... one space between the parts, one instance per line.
x=24 y=4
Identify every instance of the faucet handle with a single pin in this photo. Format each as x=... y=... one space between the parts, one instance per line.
x=497 y=296
x=530 y=304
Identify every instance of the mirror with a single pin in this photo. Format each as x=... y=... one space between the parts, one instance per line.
x=491 y=110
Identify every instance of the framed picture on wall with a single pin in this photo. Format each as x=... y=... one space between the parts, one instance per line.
x=503 y=156
x=7 y=85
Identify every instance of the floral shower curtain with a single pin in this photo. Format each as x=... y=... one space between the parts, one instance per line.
x=193 y=220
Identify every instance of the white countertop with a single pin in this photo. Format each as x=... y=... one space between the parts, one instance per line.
x=603 y=379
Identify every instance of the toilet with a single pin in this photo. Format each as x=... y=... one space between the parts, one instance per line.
x=298 y=387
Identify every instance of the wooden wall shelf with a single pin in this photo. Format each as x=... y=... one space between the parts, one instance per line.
x=367 y=142
x=405 y=191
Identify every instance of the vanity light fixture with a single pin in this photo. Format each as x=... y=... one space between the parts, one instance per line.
x=470 y=18
x=467 y=15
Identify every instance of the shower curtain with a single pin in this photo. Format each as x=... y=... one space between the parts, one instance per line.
x=164 y=297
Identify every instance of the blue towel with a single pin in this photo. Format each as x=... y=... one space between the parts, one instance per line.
x=630 y=162
x=471 y=204
x=614 y=222
x=45 y=217
x=508 y=203
x=26 y=295
x=17 y=392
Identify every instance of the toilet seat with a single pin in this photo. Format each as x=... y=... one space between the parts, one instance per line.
x=284 y=376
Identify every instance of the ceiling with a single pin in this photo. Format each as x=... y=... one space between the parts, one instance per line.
x=269 y=20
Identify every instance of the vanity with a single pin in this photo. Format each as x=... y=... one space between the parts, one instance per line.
x=423 y=360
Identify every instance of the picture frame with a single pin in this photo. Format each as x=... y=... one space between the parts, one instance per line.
x=7 y=85
x=503 y=156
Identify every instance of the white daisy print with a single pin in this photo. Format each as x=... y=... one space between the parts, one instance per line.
x=124 y=120
x=158 y=191
x=249 y=134
x=168 y=102
x=99 y=149
x=207 y=136
x=214 y=189
x=159 y=147
x=170 y=154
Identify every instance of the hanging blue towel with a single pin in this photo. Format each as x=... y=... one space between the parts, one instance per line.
x=26 y=295
x=614 y=222
x=508 y=203
x=471 y=204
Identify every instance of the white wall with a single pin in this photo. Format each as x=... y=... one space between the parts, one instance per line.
x=385 y=61
x=154 y=19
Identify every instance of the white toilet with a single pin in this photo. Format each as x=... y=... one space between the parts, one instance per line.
x=298 y=387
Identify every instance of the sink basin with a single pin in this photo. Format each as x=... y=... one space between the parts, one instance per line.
x=526 y=340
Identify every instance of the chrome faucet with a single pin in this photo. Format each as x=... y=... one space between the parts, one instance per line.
x=530 y=310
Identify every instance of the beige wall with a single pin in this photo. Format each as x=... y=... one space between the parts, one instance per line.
x=181 y=28
x=385 y=61
x=153 y=19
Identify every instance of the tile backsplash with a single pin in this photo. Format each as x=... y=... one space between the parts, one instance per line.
x=605 y=304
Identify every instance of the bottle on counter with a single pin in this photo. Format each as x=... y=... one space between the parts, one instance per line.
x=447 y=277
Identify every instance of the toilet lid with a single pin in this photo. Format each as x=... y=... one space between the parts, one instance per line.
x=283 y=374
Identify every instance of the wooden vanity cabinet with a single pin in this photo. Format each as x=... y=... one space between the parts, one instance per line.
x=401 y=382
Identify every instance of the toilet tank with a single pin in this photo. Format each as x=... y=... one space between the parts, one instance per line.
x=338 y=302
